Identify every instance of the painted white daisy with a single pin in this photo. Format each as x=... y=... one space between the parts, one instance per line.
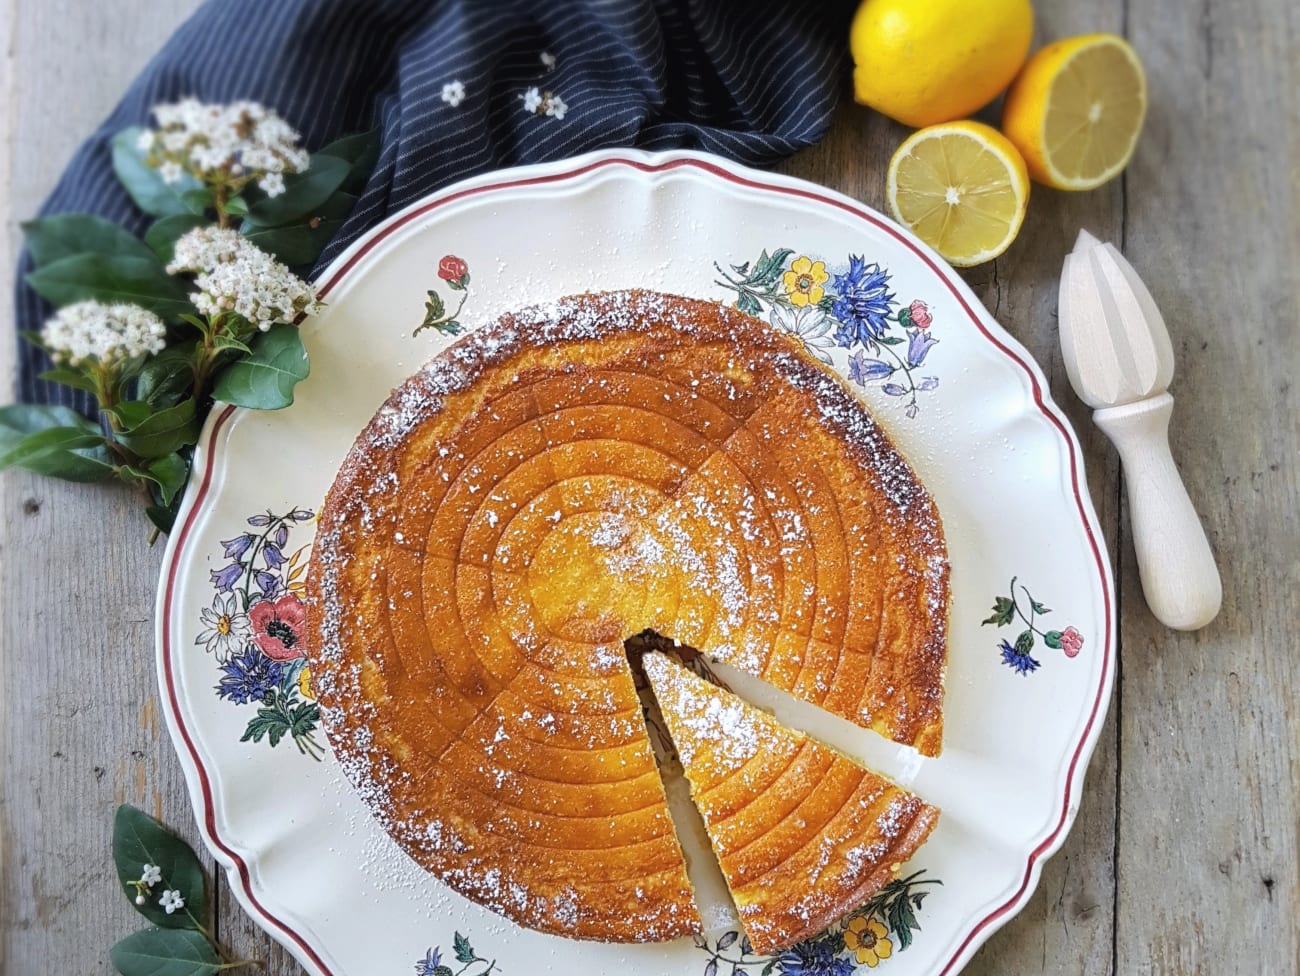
x=808 y=323
x=226 y=630
x=453 y=93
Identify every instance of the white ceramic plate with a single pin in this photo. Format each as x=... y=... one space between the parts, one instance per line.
x=960 y=397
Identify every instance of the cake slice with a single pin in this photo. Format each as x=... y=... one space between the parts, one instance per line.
x=803 y=834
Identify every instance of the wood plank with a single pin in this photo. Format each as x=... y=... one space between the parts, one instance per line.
x=78 y=708
x=1208 y=866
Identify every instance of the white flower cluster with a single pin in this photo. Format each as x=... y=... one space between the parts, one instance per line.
x=538 y=102
x=215 y=142
x=104 y=333
x=235 y=275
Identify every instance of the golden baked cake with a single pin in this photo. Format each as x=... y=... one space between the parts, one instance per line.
x=553 y=483
x=803 y=834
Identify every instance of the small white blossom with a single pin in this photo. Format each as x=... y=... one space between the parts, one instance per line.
x=453 y=93
x=235 y=275
x=104 y=333
x=213 y=142
x=151 y=874
x=171 y=901
x=272 y=184
x=139 y=899
x=547 y=59
x=145 y=140
x=555 y=107
x=532 y=100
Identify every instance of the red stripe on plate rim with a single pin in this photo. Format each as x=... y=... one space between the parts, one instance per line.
x=374 y=238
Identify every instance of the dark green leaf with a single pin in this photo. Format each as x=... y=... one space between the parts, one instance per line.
x=19 y=419
x=69 y=377
x=139 y=839
x=66 y=235
x=162 y=517
x=301 y=243
x=1025 y=642
x=434 y=309
x=226 y=341
x=304 y=193
x=140 y=281
x=168 y=473
x=53 y=451
x=265 y=379
x=827 y=304
x=443 y=971
x=1038 y=607
x=464 y=951
x=1053 y=639
x=768 y=268
x=198 y=201
x=748 y=304
x=767 y=970
x=268 y=722
x=163 y=432
x=143 y=183
x=889 y=340
x=361 y=151
x=166 y=378
x=237 y=206
x=1004 y=611
x=163 y=234
x=164 y=952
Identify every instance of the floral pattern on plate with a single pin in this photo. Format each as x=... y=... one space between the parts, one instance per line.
x=1019 y=656
x=853 y=309
x=254 y=630
x=858 y=942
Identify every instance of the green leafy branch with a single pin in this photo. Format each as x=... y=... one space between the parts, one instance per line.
x=152 y=406
x=896 y=905
x=1007 y=608
x=163 y=880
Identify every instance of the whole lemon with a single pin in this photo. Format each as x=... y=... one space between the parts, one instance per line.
x=923 y=62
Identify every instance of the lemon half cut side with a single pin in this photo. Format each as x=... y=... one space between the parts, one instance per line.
x=962 y=188
x=1076 y=110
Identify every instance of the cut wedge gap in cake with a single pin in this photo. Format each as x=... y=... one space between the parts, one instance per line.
x=803 y=835
x=712 y=896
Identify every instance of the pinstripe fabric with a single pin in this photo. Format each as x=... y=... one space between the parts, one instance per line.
x=752 y=80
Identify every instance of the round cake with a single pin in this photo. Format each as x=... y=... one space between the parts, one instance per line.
x=553 y=484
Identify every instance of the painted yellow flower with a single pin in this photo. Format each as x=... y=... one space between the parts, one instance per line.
x=804 y=280
x=304 y=686
x=865 y=938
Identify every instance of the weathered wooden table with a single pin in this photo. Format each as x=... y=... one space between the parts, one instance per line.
x=1184 y=856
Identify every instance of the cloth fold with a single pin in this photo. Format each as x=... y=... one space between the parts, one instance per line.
x=751 y=81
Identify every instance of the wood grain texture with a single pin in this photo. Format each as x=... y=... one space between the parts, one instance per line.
x=1183 y=858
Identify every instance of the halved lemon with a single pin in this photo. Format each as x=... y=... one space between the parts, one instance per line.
x=962 y=188
x=1076 y=110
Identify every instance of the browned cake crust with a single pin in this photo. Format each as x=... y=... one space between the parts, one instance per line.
x=560 y=480
x=803 y=834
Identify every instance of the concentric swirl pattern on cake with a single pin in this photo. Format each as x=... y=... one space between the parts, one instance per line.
x=552 y=484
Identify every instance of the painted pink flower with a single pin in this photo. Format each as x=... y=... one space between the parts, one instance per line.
x=920 y=314
x=452 y=268
x=1071 y=641
x=278 y=627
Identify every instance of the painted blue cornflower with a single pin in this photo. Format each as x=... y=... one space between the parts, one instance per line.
x=430 y=963
x=863 y=302
x=1022 y=663
x=249 y=676
x=815 y=957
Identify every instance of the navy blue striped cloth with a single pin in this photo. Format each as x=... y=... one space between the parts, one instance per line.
x=752 y=80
